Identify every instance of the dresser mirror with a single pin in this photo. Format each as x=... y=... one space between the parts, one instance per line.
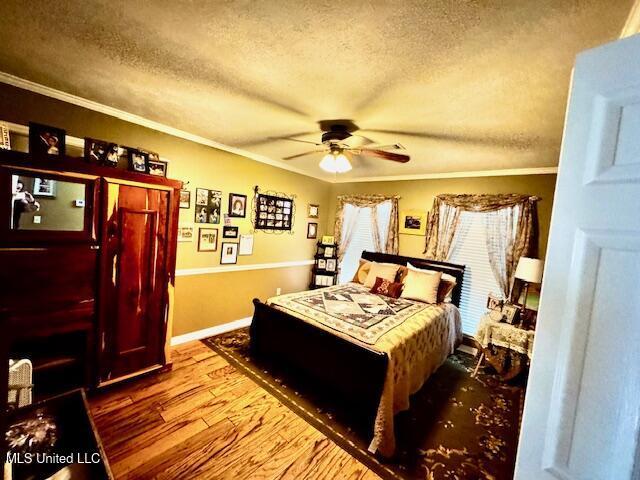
x=40 y=203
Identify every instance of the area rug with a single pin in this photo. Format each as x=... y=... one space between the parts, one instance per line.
x=458 y=426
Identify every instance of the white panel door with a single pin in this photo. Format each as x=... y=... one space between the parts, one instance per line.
x=582 y=410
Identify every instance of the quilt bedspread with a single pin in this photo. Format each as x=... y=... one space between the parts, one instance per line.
x=417 y=338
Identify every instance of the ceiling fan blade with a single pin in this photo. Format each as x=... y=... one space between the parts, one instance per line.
x=296 y=140
x=394 y=157
x=291 y=157
x=390 y=146
x=262 y=141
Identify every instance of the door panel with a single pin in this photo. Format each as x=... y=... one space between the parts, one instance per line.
x=582 y=414
x=135 y=276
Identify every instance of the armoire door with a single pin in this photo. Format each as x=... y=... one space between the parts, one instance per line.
x=133 y=298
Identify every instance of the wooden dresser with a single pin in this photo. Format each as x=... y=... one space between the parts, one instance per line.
x=87 y=274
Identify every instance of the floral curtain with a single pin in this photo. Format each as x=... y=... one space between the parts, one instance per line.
x=512 y=229
x=500 y=226
x=344 y=232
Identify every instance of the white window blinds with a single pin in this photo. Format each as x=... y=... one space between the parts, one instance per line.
x=470 y=249
x=362 y=238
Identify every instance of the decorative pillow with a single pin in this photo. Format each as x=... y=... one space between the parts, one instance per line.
x=402 y=273
x=421 y=286
x=385 y=287
x=387 y=271
x=447 y=282
x=445 y=289
x=362 y=272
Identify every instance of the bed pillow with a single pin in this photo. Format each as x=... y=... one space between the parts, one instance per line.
x=421 y=286
x=387 y=288
x=445 y=289
x=362 y=272
x=447 y=282
x=386 y=271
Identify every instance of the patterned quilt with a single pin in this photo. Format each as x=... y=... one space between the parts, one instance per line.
x=416 y=337
x=352 y=310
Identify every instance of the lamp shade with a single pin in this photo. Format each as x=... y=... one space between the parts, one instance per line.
x=529 y=270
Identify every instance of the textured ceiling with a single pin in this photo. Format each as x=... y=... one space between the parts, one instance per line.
x=472 y=85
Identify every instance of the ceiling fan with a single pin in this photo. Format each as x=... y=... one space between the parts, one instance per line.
x=335 y=134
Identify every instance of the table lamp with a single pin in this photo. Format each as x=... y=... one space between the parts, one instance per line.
x=529 y=270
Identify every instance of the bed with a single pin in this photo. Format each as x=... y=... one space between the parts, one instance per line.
x=374 y=360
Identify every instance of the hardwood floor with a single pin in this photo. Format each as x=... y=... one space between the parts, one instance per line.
x=205 y=420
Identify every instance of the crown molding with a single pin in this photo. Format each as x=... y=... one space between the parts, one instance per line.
x=144 y=122
x=437 y=176
x=632 y=25
x=160 y=127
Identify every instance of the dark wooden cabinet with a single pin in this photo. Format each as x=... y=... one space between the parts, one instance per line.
x=86 y=278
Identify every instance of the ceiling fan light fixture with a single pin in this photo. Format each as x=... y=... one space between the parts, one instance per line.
x=333 y=163
x=342 y=163
x=328 y=163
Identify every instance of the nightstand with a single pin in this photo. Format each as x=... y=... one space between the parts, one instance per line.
x=506 y=347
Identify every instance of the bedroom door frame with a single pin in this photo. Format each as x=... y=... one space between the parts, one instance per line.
x=582 y=408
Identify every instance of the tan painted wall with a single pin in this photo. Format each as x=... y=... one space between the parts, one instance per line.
x=204 y=300
x=419 y=194
x=208 y=300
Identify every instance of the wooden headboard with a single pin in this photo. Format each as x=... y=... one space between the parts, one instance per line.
x=451 y=268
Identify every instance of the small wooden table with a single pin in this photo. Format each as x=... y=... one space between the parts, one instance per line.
x=517 y=342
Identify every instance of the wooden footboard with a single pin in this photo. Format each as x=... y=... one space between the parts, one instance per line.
x=352 y=372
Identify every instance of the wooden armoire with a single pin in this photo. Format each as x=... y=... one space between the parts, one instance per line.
x=87 y=269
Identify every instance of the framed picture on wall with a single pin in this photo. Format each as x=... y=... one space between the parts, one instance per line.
x=208 y=240
x=230 y=232
x=313 y=211
x=202 y=196
x=237 y=205
x=185 y=199
x=312 y=230
x=413 y=222
x=229 y=253
x=274 y=212
x=207 y=205
x=185 y=233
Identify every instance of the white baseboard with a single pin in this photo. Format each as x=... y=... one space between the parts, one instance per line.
x=211 y=331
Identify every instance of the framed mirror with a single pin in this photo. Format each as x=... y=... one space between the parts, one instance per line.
x=41 y=206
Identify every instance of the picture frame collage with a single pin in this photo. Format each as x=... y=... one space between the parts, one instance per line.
x=273 y=213
x=208 y=211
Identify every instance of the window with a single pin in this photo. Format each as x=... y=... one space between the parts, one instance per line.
x=362 y=238
x=470 y=249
